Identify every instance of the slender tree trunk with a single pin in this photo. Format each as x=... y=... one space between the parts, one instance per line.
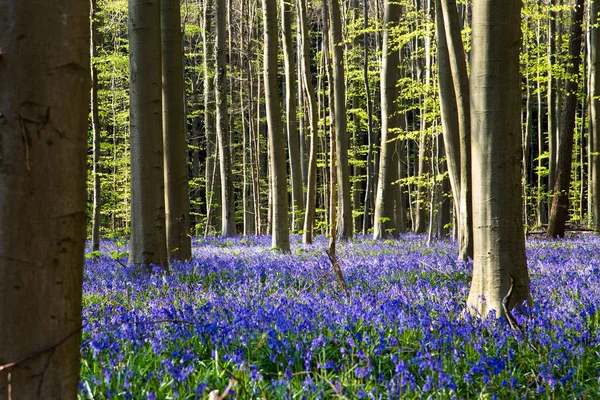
x=594 y=132
x=368 y=203
x=148 y=243
x=227 y=200
x=345 y=229
x=449 y=111
x=291 y=117
x=212 y=171
x=499 y=262
x=541 y=203
x=384 y=222
x=94 y=43
x=458 y=66
x=45 y=83
x=309 y=95
x=559 y=212
x=553 y=103
x=177 y=201
x=280 y=225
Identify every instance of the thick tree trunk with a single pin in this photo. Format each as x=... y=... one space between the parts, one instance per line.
x=594 y=135
x=279 y=222
x=227 y=200
x=44 y=86
x=559 y=213
x=291 y=119
x=499 y=262
x=345 y=229
x=458 y=66
x=96 y=132
x=148 y=243
x=384 y=221
x=177 y=201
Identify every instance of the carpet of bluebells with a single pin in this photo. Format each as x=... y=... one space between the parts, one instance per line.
x=262 y=324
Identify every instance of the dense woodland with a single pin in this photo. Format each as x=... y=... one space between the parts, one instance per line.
x=424 y=140
x=393 y=76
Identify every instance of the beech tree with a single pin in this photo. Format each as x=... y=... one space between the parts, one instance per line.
x=280 y=225
x=227 y=200
x=499 y=262
x=384 y=219
x=177 y=204
x=559 y=212
x=148 y=243
x=594 y=99
x=44 y=86
x=345 y=228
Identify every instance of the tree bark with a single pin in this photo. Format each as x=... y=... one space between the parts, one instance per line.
x=177 y=202
x=94 y=43
x=45 y=86
x=279 y=222
x=384 y=221
x=460 y=79
x=499 y=262
x=594 y=135
x=449 y=110
x=228 y=227
x=291 y=118
x=559 y=213
x=309 y=95
x=345 y=229
x=148 y=243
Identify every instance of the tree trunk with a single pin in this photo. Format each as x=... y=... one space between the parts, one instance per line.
x=212 y=170
x=309 y=95
x=384 y=221
x=291 y=120
x=279 y=222
x=594 y=135
x=553 y=101
x=227 y=200
x=368 y=202
x=177 y=201
x=458 y=66
x=449 y=111
x=345 y=229
x=148 y=243
x=94 y=43
x=559 y=213
x=499 y=263
x=45 y=83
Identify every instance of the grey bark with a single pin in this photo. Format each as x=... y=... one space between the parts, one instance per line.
x=94 y=43
x=309 y=95
x=384 y=221
x=177 y=202
x=499 y=262
x=594 y=135
x=460 y=79
x=45 y=91
x=212 y=169
x=559 y=212
x=449 y=109
x=148 y=243
x=368 y=200
x=278 y=172
x=291 y=117
x=227 y=200
x=345 y=229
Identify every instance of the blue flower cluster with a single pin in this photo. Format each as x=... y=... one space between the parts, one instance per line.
x=267 y=324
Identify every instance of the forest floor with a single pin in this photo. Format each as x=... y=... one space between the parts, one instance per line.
x=254 y=323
